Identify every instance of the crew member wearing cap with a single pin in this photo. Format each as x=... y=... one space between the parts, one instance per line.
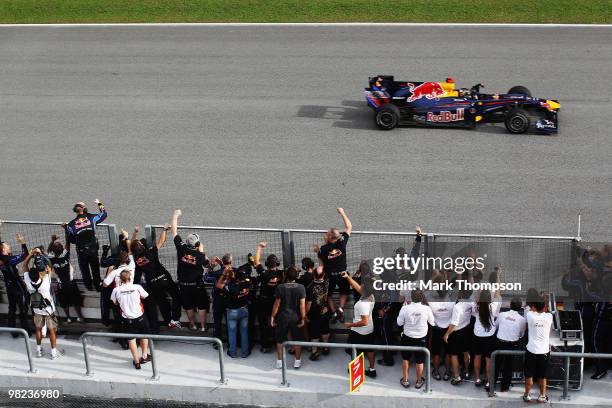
x=269 y=278
x=191 y=262
x=81 y=232
x=15 y=288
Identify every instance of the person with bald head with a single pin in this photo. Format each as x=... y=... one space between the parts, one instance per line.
x=81 y=232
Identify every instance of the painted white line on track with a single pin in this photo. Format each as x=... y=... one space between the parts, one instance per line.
x=363 y=24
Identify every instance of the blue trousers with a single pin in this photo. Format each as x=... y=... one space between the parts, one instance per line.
x=238 y=319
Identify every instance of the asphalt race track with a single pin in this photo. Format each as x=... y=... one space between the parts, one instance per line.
x=267 y=127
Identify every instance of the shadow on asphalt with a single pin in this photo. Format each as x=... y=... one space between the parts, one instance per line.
x=349 y=114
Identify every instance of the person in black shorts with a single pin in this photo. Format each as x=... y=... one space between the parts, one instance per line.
x=68 y=293
x=289 y=315
x=332 y=255
x=318 y=312
x=191 y=261
x=268 y=278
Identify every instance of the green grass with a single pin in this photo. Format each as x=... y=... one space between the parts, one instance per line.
x=123 y=11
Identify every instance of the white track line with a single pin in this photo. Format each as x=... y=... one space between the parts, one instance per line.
x=475 y=25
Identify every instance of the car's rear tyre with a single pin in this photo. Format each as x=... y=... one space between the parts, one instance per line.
x=387 y=117
x=517 y=121
x=521 y=90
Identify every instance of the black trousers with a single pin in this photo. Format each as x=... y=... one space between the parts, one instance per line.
x=159 y=299
x=17 y=299
x=89 y=264
x=106 y=305
x=603 y=344
x=266 y=332
x=503 y=363
x=218 y=315
x=383 y=327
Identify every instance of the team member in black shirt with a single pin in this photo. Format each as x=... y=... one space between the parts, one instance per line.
x=160 y=284
x=15 y=287
x=269 y=278
x=332 y=256
x=82 y=232
x=318 y=311
x=190 y=273
x=68 y=293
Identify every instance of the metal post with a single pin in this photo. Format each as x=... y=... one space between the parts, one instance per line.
x=566 y=379
x=354 y=352
x=286 y=247
x=284 y=369
x=579 y=226
x=149 y=233
x=427 y=372
x=153 y=362
x=86 y=355
x=492 y=374
x=113 y=238
x=26 y=338
x=221 y=362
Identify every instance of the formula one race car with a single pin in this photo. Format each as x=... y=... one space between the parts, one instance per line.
x=439 y=104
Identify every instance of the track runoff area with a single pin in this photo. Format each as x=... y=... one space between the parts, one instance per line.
x=549 y=305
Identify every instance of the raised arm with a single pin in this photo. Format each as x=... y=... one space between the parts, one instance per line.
x=135 y=233
x=101 y=216
x=258 y=252
x=174 y=222
x=348 y=226
x=162 y=237
x=354 y=284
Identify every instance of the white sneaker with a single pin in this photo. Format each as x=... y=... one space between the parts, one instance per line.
x=279 y=364
x=79 y=320
x=174 y=324
x=68 y=320
x=39 y=353
x=297 y=364
x=54 y=356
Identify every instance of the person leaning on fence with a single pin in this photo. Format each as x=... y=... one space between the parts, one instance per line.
x=485 y=326
x=82 y=232
x=129 y=296
x=415 y=318
x=537 y=355
x=68 y=293
x=16 y=290
x=159 y=282
x=269 y=278
x=458 y=336
x=511 y=328
x=362 y=328
x=191 y=261
x=318 y=312
x=289 y=315
x=332 y=255
x=37 y=279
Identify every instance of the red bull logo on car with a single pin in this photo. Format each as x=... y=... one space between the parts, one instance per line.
x=446 y=116
x=429 y=90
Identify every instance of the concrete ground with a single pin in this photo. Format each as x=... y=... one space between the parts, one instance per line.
x=191 y=373
x=267 y=127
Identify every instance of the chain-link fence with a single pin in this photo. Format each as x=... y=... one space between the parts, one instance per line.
x=39 y=234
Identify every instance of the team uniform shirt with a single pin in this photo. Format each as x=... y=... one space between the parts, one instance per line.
x=511 y=326
x=82 y=230
x=149 y=265
x=61 y=266
x=191 y=262
x=9 y=265
x=129 y=298
x=114 y=276
x=461 y=315
x=44 y=289
x=290 y=295
x=479 y=329
x=538 y=332
x=442 y=312
x=362 y=308
x=238 y=294
x=333 y=256
x=268 y=281
x=316 y=294
x=415 y=319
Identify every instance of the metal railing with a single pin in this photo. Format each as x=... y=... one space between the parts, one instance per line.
x=152 y=337
x=26 y=337
x=564 y=354
x=354 y=347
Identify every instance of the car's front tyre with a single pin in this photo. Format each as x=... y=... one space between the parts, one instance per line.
x=517 y=121
x=387 y=117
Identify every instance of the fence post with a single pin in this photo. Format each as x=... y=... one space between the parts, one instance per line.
x=86 y=356
x=427 y=371
x=149 y=233
x=26 y=338
x=492 y=375
x=284 y=369
x=153 y=362
x=113 y=238
x=566 y=380
x=288 y=258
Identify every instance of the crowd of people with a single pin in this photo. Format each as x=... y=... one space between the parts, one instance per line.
x=260 y=301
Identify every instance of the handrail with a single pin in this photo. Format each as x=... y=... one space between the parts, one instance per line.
x=566 y=354
x=354 y=347
x=26 y=337
x=152 y=337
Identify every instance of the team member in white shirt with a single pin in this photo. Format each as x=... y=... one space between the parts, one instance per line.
x=537 y=356
x=442 y=309
x=511 y=328
x=458 y=335
x=128 y=297
x=485 y=325
x=39 y=281
x=415 y=318
x=113 y=276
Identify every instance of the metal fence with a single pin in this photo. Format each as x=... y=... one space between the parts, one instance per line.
x=39 y=233
x=28 y=348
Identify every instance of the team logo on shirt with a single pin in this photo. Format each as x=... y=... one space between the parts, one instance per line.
x=82 y=222
x=142 y=261
x=189 y=259
x=334 y=253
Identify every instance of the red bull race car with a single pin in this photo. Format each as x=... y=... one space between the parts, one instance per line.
x=439 y=104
